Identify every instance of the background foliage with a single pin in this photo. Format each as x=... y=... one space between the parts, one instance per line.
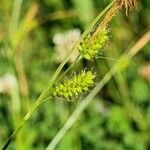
x=117 y=119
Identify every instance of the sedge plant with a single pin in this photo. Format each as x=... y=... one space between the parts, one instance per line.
x=89 y=46
x=123 y=62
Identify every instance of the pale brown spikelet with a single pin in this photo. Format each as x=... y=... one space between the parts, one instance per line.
x=144 y=71
x=128 y=4
x=108 y=17
x=118 y=4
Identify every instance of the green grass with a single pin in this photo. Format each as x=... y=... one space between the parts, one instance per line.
x=116 y=119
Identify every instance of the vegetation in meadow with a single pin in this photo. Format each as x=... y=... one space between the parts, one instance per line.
x=97 y=97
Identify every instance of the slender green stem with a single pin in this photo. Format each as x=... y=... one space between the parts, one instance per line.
x=55 y=75
x=70 y=67
x=76 y=61
x=14 y=20
x=25 y=119
x=108 y=58
x=15 y=16
x=80 y=108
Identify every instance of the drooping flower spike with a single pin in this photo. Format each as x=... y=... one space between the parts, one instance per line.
x=75 y=86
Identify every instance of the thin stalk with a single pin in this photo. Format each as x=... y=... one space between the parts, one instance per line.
x=77 y=112
x=24 y=120
x=15 y=16
x=16 y=113
x=23 y=84
x=55 y=75
x=77 y=60
x=16 y=107
x=108 y=58
x=70 y=67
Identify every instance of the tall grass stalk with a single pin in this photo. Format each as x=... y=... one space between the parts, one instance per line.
x=45 y=92
x=15 y=16
x=16 y=113
x=14 y=94
x=121 y=65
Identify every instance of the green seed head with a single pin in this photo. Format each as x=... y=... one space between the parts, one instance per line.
x=75 y=86
x=90 y=49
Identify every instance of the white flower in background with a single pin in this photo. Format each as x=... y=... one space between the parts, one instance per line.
x=7 y=83
x=101 y=108
x=64 y=42
x=144 y=71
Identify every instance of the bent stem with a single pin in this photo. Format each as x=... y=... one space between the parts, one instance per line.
x=122 y=63
x=43 y=95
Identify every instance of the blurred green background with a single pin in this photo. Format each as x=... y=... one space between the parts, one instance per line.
x=34 y=37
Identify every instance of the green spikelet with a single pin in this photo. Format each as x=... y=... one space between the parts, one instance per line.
x=89 y=50
x=75 y=86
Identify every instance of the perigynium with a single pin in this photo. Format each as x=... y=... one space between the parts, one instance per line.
x=91 y=50
x=76 y=86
